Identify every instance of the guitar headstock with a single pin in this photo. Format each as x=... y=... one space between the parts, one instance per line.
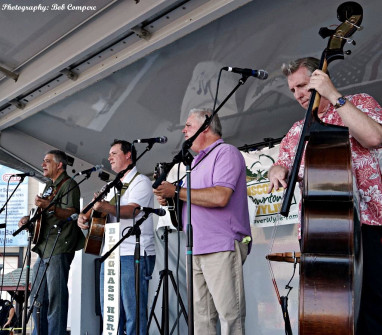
x=350 y=14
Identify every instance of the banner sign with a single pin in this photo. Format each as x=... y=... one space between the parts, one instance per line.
x=16 y=208
x=111 y=281
x=263 y=207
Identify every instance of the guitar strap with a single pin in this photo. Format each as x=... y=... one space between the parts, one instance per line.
x=123 y=190
x=57 y=188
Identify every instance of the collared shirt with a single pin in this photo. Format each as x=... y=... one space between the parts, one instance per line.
x=365 y=165
x=216 y=229
x=71 y=238
x=139 y=192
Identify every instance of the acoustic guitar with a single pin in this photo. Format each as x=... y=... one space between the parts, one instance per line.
x=172 y=202
x=94 y=238
x=36 y=213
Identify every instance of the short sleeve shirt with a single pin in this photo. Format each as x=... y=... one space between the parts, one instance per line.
x=216 y=229
x=139 y=192
x=71 y=237
x=366 y=167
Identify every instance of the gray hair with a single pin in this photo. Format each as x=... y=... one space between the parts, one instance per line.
x=311 y=63
x=59 y=157
x=215 y=124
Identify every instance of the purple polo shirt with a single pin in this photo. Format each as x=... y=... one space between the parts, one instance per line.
x=216 y=229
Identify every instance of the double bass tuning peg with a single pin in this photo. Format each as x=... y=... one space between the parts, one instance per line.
x=348 y=40
x=359 y=28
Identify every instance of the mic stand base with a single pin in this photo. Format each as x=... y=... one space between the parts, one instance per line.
x=164 y=275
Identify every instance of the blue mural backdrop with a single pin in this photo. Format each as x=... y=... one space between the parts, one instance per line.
x=16 y=207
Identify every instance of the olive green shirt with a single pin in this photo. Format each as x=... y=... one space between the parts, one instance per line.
x=71 y=238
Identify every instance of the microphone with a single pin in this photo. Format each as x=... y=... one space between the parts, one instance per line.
x=162 y=139
x=89 y=171
x=26 y=174
x=260 y=74
x=73 y=217
x=157 y=211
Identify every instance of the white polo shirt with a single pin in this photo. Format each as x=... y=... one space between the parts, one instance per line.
x=139 y=192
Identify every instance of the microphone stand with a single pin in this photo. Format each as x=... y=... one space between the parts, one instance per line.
x=29 y=236
x=29 y=226
x=148 y=148
x=184 y=157
x=27 y=276
x=115 y=183
x=131 y=231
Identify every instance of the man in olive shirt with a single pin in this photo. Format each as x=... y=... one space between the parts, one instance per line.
x=52 y=300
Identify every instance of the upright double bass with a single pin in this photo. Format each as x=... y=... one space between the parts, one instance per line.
x=331 y=252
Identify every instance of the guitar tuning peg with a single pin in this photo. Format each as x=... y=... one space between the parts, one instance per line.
x=348 y=52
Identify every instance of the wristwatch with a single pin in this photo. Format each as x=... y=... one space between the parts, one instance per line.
x=340 y=102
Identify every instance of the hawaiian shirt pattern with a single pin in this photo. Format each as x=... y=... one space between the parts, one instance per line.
x=366 y=166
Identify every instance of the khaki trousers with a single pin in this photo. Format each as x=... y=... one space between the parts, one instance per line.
x=219 y=291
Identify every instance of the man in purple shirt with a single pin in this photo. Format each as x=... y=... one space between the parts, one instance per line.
x=220 y=221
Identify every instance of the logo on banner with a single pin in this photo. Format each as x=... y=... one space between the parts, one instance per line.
x=263 y=206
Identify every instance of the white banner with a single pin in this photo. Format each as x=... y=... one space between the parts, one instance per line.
x=111 y=281
x=263 y=207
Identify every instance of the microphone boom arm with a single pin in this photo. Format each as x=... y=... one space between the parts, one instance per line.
x=186 y=157
x=188 y=143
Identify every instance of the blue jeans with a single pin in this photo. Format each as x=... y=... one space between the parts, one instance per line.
x=53 y=295
x=127 y=306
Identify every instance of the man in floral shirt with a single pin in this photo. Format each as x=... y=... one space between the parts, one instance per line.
x=363 y=116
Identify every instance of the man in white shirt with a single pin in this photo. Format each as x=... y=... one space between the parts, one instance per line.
x=136 y=192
